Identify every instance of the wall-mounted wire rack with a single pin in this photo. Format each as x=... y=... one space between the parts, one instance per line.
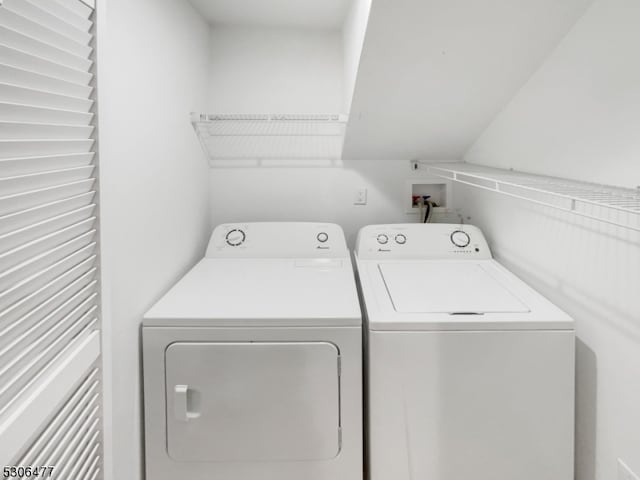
x=270 y=137
x=612 y=205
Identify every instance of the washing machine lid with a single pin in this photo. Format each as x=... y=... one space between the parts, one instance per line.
x=453 y=288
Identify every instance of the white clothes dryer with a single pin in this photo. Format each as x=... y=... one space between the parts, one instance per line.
x=252 y=361
x=470 y=372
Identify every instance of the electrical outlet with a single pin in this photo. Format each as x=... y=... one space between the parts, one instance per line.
x=625 y=473
x=360 y=197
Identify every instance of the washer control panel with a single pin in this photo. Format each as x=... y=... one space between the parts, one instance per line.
x=417 y=240
x=277 y=240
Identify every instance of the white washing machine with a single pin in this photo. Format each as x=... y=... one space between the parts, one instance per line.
x=470 y=372
x=252 y=362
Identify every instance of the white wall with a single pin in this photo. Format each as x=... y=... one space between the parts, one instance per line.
x=353 y=34
x=275 y=70
x=578 y=117
x=313 y=194
x=154 y=196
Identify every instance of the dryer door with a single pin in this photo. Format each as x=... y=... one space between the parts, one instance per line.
x=252 y=401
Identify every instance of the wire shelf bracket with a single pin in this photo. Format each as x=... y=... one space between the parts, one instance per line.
x=612 y=205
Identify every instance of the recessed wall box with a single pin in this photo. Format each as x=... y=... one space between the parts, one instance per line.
x=438 y=191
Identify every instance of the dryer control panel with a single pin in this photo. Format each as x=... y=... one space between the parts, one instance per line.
x=277 y=240
x=422 y=241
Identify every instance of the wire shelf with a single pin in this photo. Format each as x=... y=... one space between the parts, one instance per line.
x=612 y=205
x=270 y=137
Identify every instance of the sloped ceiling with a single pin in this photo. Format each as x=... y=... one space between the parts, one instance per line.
x=434 y=73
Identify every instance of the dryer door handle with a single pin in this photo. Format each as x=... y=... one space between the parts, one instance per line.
x=182 y=403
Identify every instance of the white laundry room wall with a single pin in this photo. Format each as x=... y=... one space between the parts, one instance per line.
x=275 y=70
x=578 y=117
x=288 y=70
x=153 y=68
x=313 y=194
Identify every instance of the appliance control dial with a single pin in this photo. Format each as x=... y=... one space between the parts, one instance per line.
x=382 y=239
x=401 y=239
x=460 y=239
x=235 y=237
x=322 y=237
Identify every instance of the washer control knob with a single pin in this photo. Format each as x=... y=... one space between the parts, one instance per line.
x=382 y=239
x=235 y=237
x=322 y=237
x=460 y=239
x=401 y=239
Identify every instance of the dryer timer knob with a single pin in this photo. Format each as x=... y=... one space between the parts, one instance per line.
x=235 y=237
x=460 y=239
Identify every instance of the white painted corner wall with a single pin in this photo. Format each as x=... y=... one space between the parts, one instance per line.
x=578 y=117
x=154 y=65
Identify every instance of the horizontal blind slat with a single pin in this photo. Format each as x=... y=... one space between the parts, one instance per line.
x=84 y=394
x=32 y=181
x=81 y=410
x=38 y=81
x=39 y=352
x=24 y=235
x=31 y=352
x=33 y=265
x=85 y=461
x=23 y=218
x=17 y=58
x=16 y=112
x=40 y=98
x=71 y=424
x=15 y=316
x=66 y=14
x=14 y=257
x=46 y=394
x=24 y=131
x=16 y=203
x=50 y=21
x=11 y=167
x=37 y=366
x=62 y=291
x=88 y=425
x=36 y=30
x=82 y=8
x=29 y=148
x=18 y=292
x=18 y=40
x=95 y=474
x=74 y=456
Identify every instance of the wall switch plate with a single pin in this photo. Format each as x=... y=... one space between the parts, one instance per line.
x=360 y=197
x=625 y=473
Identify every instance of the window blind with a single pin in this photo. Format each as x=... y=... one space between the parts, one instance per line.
x=49 y=315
